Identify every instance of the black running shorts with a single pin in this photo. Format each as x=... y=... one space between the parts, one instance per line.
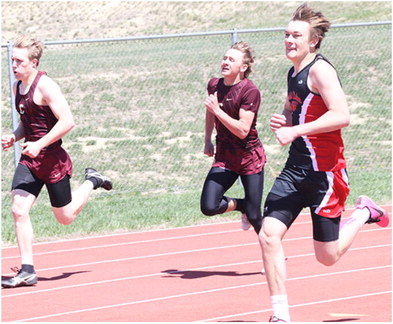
x=295 y=189
x=59 y=192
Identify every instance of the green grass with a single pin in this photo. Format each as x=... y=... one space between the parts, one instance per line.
x=117 y=213
x=138 y=211
x=140 y=116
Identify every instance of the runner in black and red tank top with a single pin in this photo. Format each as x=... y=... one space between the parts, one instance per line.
x=45 y=118
x=314 y=175
x=319 y=152
x=232 y=107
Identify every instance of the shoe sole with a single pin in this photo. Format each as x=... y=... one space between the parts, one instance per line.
x=25 y=283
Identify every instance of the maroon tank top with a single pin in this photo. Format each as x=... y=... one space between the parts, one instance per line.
x=37 y=120
x=53 y=163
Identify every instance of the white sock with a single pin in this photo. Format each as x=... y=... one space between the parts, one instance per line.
x=280 y=307
x=359 y=216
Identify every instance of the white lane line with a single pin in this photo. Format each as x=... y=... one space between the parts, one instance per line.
x=198 y=293
x=168 y=229
x=142 y=232
x=164 y=254
x=161 y=240
x=161 y=273
x=215 y=319
x=126 y=243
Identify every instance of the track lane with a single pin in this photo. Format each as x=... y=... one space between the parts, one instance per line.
x=136 y=272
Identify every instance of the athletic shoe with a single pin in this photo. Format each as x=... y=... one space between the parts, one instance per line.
x=245 y=223
x=275 y=319
x=101 y=181
x=22 y=278
x=377 y=214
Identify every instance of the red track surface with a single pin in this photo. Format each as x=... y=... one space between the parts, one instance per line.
x=200 y=273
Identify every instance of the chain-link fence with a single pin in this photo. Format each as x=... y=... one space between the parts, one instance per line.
x=138 y=103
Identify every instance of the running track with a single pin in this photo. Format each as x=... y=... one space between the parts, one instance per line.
x=199 y=273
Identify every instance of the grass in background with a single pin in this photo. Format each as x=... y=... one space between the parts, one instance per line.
x=118 y=213
x=125 y=212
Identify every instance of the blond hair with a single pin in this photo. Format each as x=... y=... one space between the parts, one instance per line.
x=318 y=22
x=34 y=47
x=248 y=57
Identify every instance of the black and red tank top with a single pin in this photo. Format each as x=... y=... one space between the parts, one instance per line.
x=318 y=152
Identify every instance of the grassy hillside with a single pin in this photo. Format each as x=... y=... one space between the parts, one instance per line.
x=57 y=20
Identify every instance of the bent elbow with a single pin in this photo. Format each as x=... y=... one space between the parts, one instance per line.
x=243 y=133
x=71 y=126
x=346 y=121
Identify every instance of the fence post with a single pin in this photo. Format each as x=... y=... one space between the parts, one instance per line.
x=234 y=36
x=15 y=118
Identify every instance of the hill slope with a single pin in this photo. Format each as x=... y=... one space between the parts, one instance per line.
x=61 y=20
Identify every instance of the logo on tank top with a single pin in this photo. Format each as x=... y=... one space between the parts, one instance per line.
x=295 y=100
x=21 y=109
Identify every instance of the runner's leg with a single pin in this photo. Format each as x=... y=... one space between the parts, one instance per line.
x=217 y=182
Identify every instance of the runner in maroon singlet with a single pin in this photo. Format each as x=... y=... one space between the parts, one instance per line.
x=45 y=118
x=232 y=107
x=314 y=175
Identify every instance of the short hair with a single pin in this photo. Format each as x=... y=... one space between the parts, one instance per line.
x=248 y=57
x=318 y=22
x=34 y=47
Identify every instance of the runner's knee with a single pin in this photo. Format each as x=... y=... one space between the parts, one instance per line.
x=327 y=260
x=268 y=241
x=326 y=253
x=211 y=207
x=64 y=217
x=65 y=220
x=20 y=210
x=210 y=210
x=19 y=213
x=255 y=219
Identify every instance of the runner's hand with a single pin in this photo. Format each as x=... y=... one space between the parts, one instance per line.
x=277 y=121
x=7 y=141
x=31 y=149
x=208 y=149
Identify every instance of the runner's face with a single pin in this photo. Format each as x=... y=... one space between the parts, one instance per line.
x=22 y=66
x=298 y=41
x=232 y=63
